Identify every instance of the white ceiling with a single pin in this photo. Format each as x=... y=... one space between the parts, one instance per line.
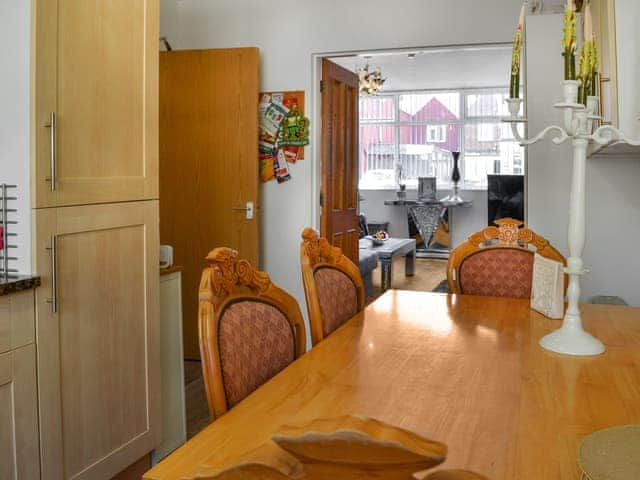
x=441 y=68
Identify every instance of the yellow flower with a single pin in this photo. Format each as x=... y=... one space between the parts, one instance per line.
x=517 y=48
x=569 y=38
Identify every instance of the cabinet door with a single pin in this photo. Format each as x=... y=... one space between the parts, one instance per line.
x=19 y=458
x=96 y=69
x=98 y=337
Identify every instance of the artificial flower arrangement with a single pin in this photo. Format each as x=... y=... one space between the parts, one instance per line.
x=569 y=41
x=589 y=62
x=514 y=90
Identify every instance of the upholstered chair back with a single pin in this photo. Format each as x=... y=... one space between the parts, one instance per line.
x=249 y=329
x=498 y=261
x=332 y=283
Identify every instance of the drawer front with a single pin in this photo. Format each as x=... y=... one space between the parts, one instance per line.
x=17 y=320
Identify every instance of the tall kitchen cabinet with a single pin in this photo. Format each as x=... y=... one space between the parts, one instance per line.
x=95 y=219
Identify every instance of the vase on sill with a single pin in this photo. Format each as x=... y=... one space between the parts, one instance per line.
x=402 y=193
x=455 y=179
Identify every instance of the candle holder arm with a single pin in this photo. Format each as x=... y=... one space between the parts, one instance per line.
x=559 y=139
x=600 y=137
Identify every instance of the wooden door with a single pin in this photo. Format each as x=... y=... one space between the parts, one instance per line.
x=19 y=456
x=96 y=69
x=98 y=353
x=208 y=163
x=339 y=217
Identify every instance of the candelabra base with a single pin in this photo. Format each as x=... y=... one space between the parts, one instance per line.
x=571 y=339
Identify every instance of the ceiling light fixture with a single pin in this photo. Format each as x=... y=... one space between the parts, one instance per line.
x=370 y=82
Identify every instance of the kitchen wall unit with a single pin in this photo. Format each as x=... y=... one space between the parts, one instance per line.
x=96 y=109
x=94 y=178
x=618 y=39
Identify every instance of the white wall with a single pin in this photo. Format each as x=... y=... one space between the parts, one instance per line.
x=288 y=33
x=15 y=40
x=613 y=192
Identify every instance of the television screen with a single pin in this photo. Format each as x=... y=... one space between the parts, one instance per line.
x=505 y=196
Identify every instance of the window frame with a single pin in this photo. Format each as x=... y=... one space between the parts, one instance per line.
x=461 y=122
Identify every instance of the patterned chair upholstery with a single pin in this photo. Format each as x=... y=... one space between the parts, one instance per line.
x=256 y=341
x=332 y=283
x=249 y=329
x=498 y=261
x=338 y=298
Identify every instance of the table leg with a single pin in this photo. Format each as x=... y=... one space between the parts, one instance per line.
x=410 y=263
x=385 y=279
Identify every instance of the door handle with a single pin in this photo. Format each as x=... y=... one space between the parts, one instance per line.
x=52 y=126
x=53 y=301
x=249 y=209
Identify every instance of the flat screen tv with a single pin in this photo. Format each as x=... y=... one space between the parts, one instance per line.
x=505 y=195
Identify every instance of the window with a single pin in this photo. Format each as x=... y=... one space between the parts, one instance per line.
x=410 y=135
x=437 y=133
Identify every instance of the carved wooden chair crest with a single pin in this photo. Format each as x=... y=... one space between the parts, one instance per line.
x=332 y=285
x=249 y=329
x=498 y=261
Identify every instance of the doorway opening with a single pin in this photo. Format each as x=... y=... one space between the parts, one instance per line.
x=434 y=101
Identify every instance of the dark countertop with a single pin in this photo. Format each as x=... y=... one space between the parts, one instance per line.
x=17 y=283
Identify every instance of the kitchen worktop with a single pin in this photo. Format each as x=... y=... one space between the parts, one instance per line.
x=17 y=283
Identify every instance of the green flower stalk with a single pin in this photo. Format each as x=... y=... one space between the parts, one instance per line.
x=569 y=42
x=514 y=88
x=589 y=61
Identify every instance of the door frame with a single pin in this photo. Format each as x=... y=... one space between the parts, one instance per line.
x=316 y=117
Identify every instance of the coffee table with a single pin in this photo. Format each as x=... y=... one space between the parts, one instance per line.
x=393 y=247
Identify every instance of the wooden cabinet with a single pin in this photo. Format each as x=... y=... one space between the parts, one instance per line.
x=618 y=38
x=174 y=422
x=19 y=458
x=19 y=455
x=98 y=337
x=95 y=68
x=17 y=327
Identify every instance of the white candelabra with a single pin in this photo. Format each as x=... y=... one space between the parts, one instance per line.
x=571 y=338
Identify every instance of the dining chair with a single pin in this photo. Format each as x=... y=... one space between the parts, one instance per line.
x=333 y=285
x=498 y=261
x=249 y=329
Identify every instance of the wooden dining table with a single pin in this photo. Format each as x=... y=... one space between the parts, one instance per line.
x=466 y=371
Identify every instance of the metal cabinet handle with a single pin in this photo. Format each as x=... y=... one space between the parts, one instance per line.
x=53 y=301
x=52 y=126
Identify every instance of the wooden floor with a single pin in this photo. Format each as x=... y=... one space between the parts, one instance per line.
x=429 y=273
x=195 y=398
